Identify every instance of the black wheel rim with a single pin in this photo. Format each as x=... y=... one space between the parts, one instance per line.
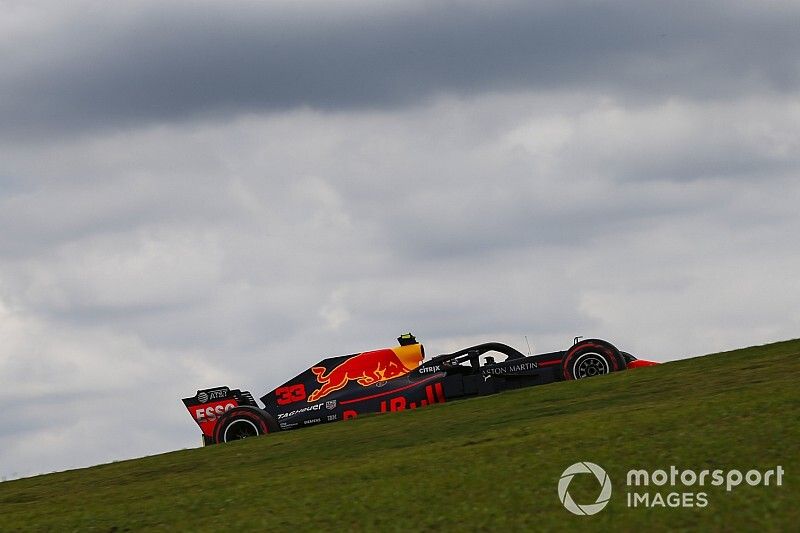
x=590 y=364
x=240 y=429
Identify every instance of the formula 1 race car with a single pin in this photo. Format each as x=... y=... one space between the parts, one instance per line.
x=394 y=379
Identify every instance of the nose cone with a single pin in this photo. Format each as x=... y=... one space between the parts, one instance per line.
x=639 y=363
x=410 y=356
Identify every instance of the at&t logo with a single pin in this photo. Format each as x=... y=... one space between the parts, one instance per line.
x=590 y=508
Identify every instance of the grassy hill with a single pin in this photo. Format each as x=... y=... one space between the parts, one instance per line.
x=488 y=463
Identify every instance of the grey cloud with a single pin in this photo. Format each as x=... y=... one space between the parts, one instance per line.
x=171 y=61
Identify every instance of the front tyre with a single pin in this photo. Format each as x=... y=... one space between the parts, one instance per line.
x=243 y=422
x=591 y=357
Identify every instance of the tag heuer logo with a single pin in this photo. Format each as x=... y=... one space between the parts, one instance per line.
x=330 y=405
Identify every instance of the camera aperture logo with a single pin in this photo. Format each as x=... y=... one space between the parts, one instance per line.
x=590 y=508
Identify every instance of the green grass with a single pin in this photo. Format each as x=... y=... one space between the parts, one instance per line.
x=488 y=463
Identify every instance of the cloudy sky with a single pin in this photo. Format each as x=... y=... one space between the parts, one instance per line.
x=203 y=193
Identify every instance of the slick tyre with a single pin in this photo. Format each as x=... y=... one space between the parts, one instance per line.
x=591 y=357
x=243 y=422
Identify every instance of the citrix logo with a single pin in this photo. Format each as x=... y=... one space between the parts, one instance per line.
x=589 y=509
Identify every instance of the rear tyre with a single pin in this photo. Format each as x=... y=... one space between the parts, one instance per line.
x=243 y=422
x=591 y=357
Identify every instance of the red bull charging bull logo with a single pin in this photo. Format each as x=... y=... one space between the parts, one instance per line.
x=366 y=369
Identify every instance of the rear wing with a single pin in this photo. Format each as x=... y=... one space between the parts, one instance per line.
x=209 y=404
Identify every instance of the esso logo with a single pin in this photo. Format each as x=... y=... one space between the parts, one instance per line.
x=211 y=413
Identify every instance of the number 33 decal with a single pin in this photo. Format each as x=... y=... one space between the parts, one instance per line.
x=290 y=393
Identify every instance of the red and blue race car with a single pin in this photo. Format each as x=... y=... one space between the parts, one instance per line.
x=394 y=379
